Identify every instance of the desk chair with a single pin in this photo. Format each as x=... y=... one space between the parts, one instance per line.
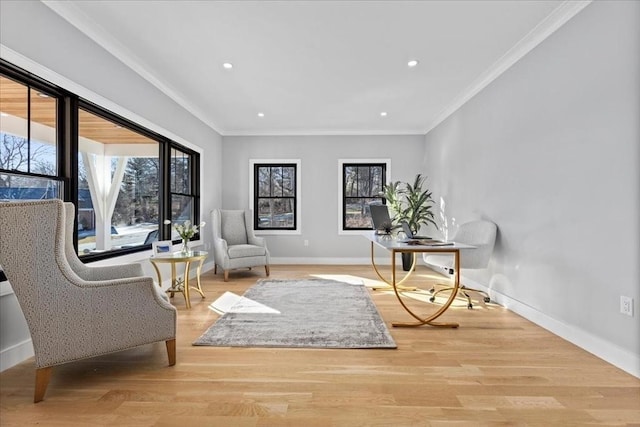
x=482 y=235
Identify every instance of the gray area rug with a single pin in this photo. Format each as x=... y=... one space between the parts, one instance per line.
x=315 y=313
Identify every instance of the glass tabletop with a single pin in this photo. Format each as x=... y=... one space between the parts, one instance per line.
x=176 y=256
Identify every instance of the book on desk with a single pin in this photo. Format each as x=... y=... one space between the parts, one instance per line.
x=426 y=242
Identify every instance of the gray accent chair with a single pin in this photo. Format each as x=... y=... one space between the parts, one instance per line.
x=70 y=317
x=482 y=235
x=234 y=242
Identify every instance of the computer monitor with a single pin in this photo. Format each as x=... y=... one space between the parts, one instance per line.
x=380 y=218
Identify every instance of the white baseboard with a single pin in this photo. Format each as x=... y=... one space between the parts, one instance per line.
x=15 y=354
x=605 y=350
x=329 y=261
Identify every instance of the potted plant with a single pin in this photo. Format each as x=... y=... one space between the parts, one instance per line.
x=411 y=203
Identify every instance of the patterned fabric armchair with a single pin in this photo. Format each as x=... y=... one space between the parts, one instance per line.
x=234 y=242
x=69 y=316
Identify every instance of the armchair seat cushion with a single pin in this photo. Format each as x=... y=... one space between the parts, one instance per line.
x=242 y=251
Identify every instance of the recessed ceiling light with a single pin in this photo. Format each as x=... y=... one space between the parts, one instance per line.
x=412 y=63
x=260 y=114
x=43 y=95
x=228 y=65
x=383 y=114
x=3 y=114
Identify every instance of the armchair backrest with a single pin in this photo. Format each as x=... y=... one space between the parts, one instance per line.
x=482 y=235
x=32 y=256
x=70 y=250
x=233 y=226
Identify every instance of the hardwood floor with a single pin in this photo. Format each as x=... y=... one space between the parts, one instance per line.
x=496 y=369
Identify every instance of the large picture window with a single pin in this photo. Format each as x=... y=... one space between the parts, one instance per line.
x=361 y=186
x=123 y=178
x=118 y=186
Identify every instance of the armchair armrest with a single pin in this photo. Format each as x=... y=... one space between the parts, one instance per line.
x=257 y=241
x=219 y=245
x=112 y=272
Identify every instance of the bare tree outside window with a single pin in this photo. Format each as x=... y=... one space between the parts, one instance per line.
x=362 y=187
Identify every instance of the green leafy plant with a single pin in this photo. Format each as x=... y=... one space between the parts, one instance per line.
x=410 y=202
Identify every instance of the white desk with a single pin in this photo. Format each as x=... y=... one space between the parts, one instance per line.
x=394 y=246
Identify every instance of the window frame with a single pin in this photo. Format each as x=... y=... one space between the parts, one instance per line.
x=67 y=127
x=298 y=191
x=341 y=182
x=33 y=82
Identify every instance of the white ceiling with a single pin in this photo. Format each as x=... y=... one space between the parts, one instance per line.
x=318 y=67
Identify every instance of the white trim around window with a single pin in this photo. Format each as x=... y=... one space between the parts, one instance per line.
x=298 y=164
x=341 y=162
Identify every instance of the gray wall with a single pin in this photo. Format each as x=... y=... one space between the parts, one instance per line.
x=58 y=50
x=319 y=157
x=550 y=152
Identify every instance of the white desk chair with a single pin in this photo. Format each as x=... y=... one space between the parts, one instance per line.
x=482 y=235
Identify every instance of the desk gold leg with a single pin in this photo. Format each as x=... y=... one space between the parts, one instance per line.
x=389 y=284
x=430 y=320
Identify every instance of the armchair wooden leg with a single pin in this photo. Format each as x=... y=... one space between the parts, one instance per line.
x=266 y=270
x=226 y=275
x=215 y=268
x=42 y=381
x=171 y=351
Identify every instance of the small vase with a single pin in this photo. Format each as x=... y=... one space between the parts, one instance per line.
x=185 y=247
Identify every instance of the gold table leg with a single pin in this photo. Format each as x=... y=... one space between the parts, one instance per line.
x=399 y=284
x=158 y=274
x=199 y=288
x=174 y=280
x=397 y=289
x=185 y=291
x=430 y=319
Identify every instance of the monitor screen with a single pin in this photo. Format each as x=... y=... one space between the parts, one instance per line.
x=380 y=218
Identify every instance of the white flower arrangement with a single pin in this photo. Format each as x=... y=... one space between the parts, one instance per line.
x=186 y=230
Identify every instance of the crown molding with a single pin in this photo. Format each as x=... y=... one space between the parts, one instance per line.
x=323 y=132
x=560 y=15
x=95 y=32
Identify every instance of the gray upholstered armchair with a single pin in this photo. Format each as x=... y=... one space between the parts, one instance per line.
x=234 y=242
x=71 y=318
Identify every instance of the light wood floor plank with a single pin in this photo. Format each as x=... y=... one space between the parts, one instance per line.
x=496 y=369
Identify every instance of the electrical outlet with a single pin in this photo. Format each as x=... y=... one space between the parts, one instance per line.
x=306 y=243
x=626 y=305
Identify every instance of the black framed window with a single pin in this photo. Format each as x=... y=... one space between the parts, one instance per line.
x=362 y=185
x=275 y=196
x=30 y=139
x=185 y=197
x=124 y=179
